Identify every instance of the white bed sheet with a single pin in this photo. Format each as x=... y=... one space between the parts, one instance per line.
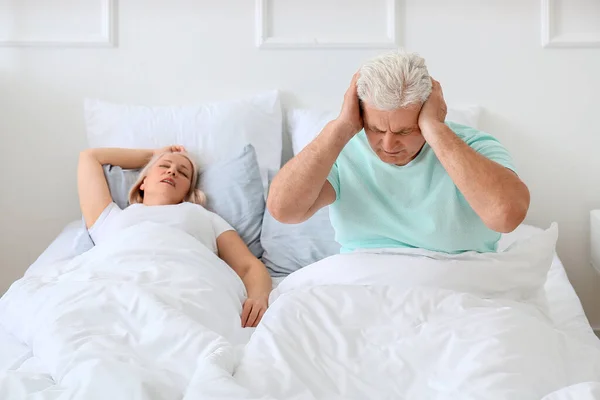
x=97 y=344
x=565 y=309
x=413 y=324
x=564 y=304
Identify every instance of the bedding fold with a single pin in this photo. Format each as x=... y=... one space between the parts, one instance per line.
x=152 y=314
x=128 y=319
x=412 y=324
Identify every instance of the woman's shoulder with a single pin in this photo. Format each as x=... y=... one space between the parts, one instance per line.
x=218 y=222
x=193 y=206
x=198 y=209
x=104 y=225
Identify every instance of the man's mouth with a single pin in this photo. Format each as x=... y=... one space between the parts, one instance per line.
x=169 y=181
x=394 y=153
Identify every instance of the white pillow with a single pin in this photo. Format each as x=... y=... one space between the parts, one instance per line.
x=465 y=115
x=210 y=131
x=303 y=125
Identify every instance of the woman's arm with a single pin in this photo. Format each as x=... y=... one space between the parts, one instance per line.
x=94 y=195
x=253 y=273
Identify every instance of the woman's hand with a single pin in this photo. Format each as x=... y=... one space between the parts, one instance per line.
x=253 y=273
x=253 y=310
x=170 y=149
x=94 y=194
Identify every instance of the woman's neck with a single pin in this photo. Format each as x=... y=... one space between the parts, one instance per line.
x=157 y=201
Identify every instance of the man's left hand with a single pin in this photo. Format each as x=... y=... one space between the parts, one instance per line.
x=434 y=109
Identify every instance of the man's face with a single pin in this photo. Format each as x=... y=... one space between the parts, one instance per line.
x=394 y=135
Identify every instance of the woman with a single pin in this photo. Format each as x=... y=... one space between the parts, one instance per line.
x=166 y=192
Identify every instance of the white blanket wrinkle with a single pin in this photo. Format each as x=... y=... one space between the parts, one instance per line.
x=139 y=318
x=391 y=324
x=129 y=319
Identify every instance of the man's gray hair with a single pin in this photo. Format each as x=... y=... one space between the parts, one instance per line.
x=394 y=80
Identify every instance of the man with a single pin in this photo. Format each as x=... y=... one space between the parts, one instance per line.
x=397 y=175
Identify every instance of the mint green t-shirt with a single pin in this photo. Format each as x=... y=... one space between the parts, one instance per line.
x=417 y=205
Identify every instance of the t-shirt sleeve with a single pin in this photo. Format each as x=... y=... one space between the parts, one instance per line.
x=103 y=227
x=489 y=147
x=334 y=179
x=220 y=225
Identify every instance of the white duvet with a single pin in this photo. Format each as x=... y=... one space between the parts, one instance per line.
x=127 y=320
x=141 y=318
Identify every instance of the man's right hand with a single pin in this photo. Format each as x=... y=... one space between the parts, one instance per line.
x=301 y=187
x=350 y=117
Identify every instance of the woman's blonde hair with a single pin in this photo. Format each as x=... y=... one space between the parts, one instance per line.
x=194 y=195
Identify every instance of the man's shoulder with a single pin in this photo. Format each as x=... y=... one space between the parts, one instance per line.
x=357 y=146
x=484 y=144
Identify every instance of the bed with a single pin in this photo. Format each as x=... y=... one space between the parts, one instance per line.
x=25 y=375
x=137 y=319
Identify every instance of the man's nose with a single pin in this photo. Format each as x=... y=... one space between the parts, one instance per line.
x=390 y=142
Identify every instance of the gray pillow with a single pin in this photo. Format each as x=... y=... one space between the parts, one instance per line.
x=120 y=182
x=235 y=191
x=289 y=247
x=233 y=188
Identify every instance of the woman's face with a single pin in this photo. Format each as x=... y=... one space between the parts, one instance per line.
x=168 y=180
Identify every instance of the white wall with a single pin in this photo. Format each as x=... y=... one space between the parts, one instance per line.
x=542 y=103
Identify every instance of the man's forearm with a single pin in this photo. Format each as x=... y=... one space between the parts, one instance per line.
x=296 y=187
x=494 y=192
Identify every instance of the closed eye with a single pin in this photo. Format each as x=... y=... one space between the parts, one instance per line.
x=183 y=173
x=377 y=130
x=405 y=132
